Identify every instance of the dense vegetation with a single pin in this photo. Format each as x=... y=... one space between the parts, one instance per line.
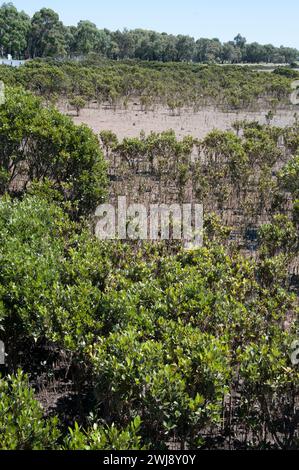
x=142 y=344
x=151 y=333
x=40 y=143
x=44 y=35
x=175 y=86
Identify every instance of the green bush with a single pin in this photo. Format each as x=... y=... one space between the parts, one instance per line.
x=175 y=383
x=51 y=276
x=173 y=85
x=105 y=438
x=269 y=392
x=22 y=425
x=51 y=147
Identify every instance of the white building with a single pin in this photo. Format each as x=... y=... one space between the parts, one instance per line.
x=11 y=62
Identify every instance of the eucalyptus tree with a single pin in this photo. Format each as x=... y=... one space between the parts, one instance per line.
x=14 y=29
x=48 y=35
x=87 y=38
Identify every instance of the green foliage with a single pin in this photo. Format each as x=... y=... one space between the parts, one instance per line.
x=280 y=236
x=77 y=103
x=176 y=383
x=14 y=27
x=48 y=37
x=39 y=144
x=163 y=338
x=22 y=426
x=50 y=276
x=269 y=391
x=159 y=334
x=174 y=85
x=105 y=438
x=289 y=177
x=287 y=72
x=109 y=142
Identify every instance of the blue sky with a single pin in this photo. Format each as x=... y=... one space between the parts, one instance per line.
x=265 y=21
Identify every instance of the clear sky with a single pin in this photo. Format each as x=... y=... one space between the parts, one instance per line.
x=264 y=21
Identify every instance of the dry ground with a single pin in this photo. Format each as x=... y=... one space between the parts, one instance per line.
x=129 y=123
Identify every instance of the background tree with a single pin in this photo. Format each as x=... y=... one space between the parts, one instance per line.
x=87 y=37
x=208 y=50
x=14 y=29
x=48 y=36
x=185 y=48
x=230 y=53
x=240 y=41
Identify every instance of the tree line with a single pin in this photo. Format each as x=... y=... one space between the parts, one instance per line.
x=44 y=35
x=173 y=85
